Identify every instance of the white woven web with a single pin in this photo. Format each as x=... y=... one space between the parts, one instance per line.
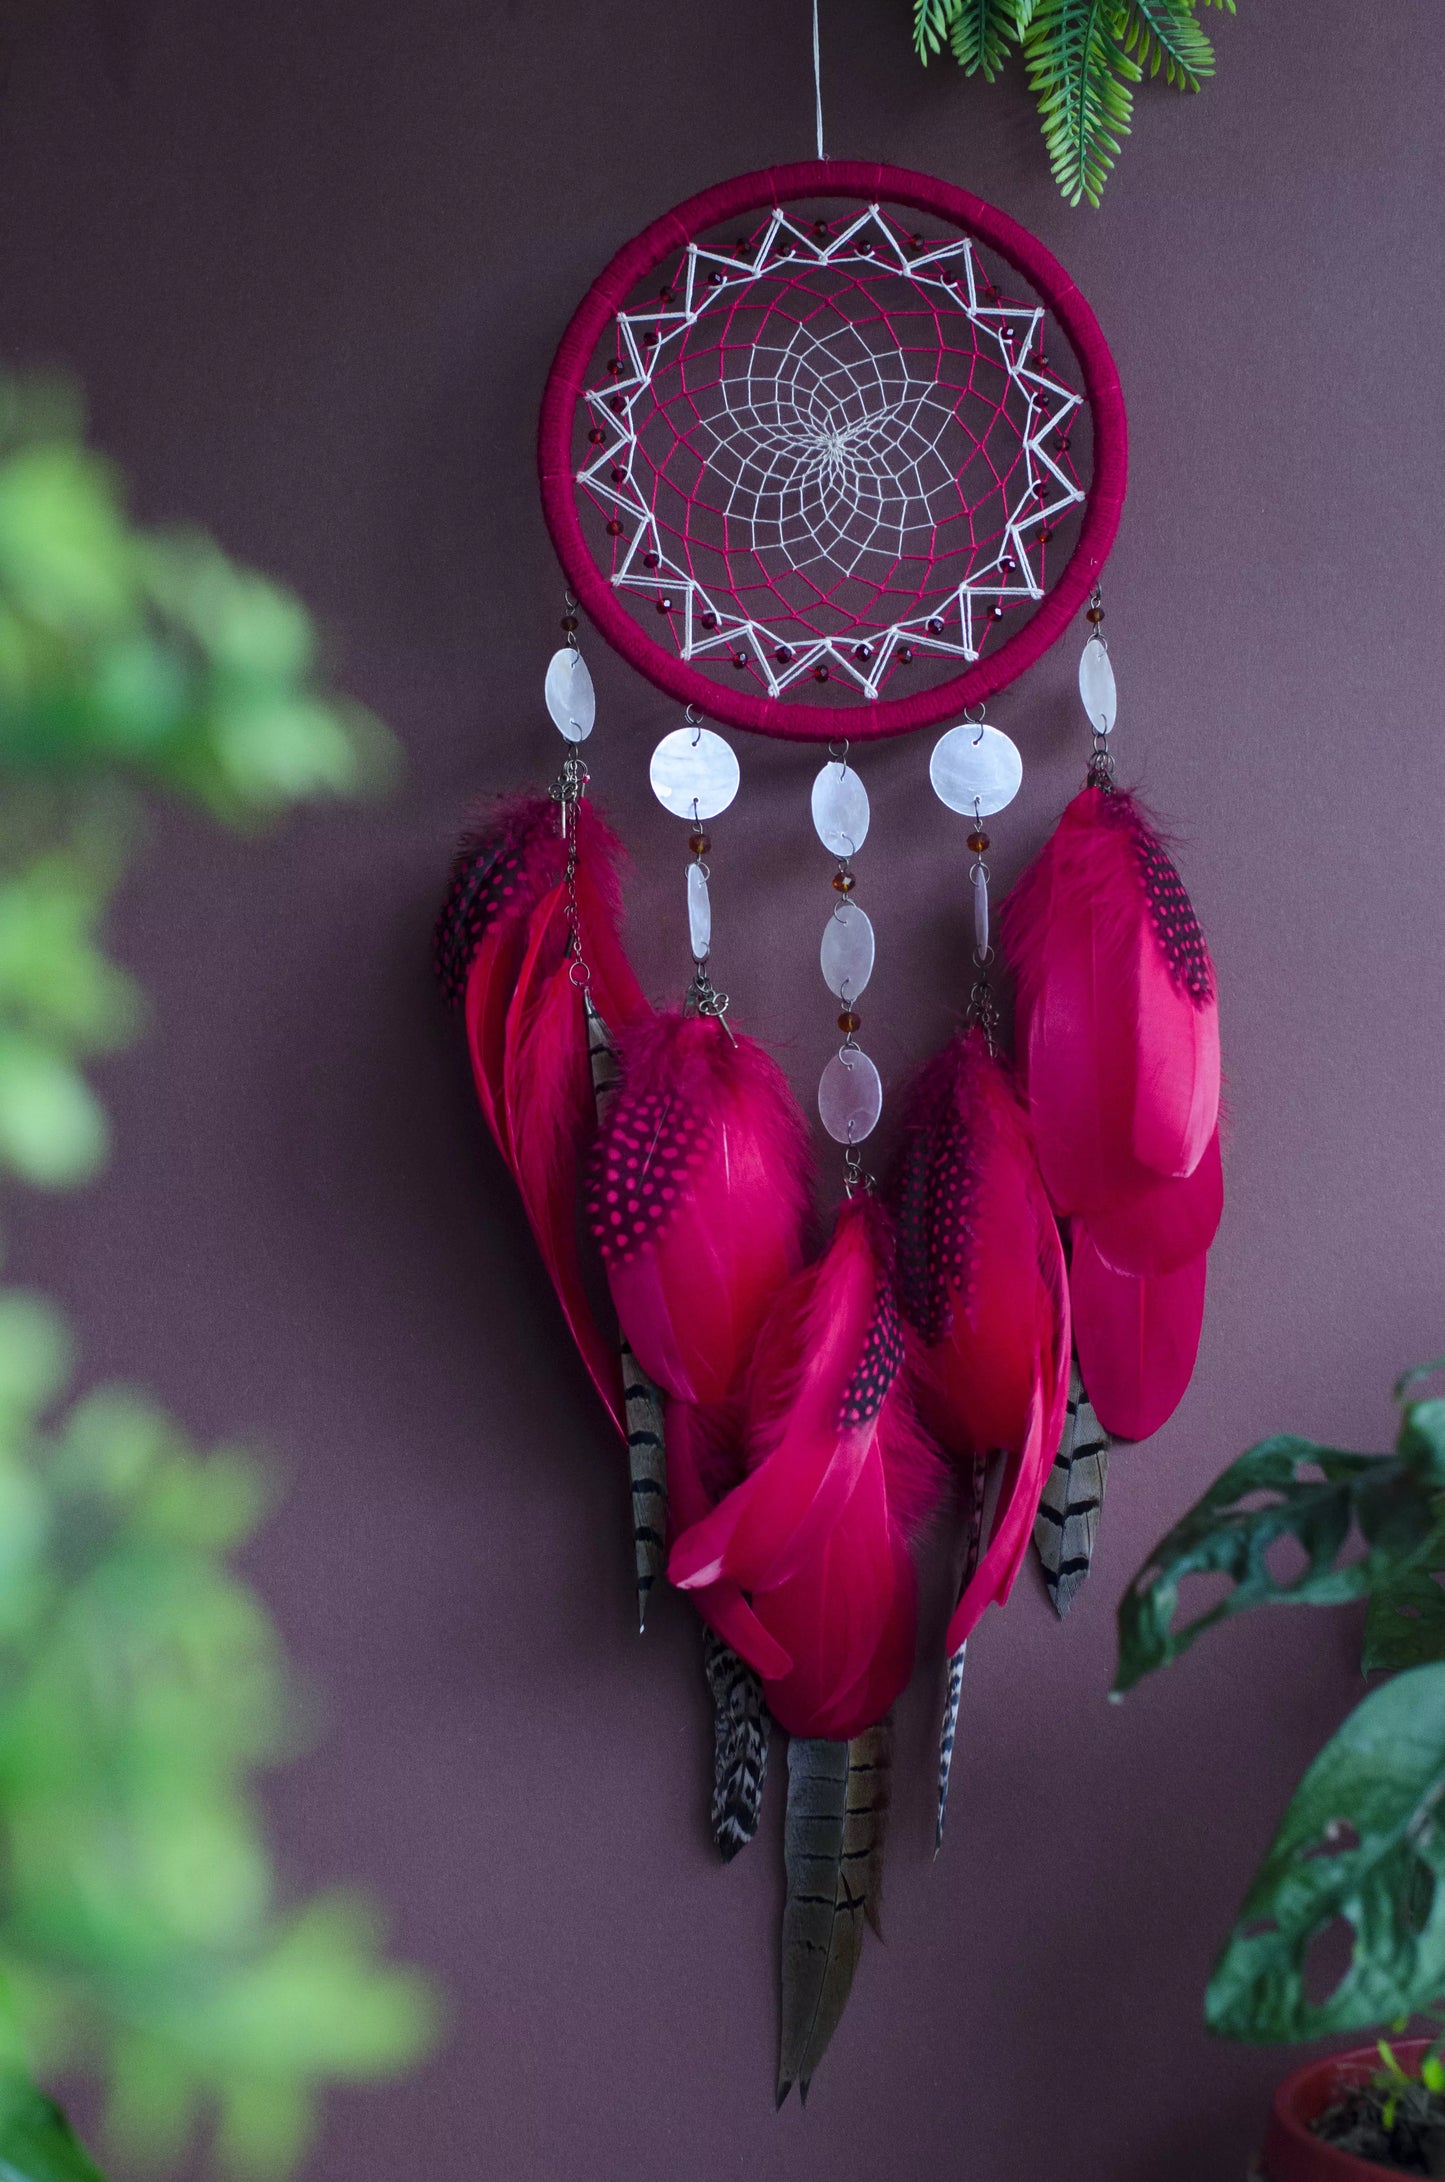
x=833 y=452
x=803 y=484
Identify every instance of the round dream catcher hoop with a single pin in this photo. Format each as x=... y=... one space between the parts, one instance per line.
x=833 y=450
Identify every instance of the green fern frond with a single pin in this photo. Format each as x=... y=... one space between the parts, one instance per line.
x=1081 y=74
x=980 y=35
x=933 y=20
x=1023 y=16
x=1228 y=6
x=1163 y=34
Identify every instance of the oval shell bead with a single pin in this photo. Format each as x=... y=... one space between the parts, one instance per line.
x=846 y=955
x=840 y=809
x=1096 y=686
x=571 y=699
x=699 y=913
x=694 y=773
x=850 y=1096
x=975 y=769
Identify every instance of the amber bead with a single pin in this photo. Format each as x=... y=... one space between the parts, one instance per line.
x=843 y=882
x=978 y=842
x=1095 y=614
x=848 y=1022
x=699 y=842
x=569 y=624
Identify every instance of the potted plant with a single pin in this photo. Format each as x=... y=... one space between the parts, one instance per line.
x=1363 y=1839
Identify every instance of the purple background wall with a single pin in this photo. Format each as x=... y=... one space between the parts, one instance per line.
x=311 y=263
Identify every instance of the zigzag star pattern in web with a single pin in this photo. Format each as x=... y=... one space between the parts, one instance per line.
x=831 y=450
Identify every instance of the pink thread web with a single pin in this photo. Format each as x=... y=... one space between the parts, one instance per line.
x=832 y=452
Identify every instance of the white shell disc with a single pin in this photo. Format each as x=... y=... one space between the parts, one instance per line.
x=694 y=773
x=975 y=768
x=850 y=1096
x=571 y=699
x=1096 y=686
x=840 y=809
x=846 y=954
x=699 y=912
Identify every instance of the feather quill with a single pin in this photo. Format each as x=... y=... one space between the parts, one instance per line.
x=1068 y=1517
x=838 y=1798
x=953 y=1691
x=817 y=1533
x=983 y=1290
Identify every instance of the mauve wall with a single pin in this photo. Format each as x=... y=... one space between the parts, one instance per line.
x=311 y=262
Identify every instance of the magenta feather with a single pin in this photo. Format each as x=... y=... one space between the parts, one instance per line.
x=1118 y=1033
x=1137 y=1337
x=817 y=1533
x=696 y=1194
x=1118 y=1024
x=503 y=951
x=983 y=1290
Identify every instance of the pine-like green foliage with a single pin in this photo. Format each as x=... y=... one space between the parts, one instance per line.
x=141 y=1682
x=1083 y=58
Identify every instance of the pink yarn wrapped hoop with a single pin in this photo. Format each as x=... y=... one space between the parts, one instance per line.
x=864 y=185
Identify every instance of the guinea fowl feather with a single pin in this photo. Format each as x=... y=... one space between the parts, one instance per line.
x=695 y=1195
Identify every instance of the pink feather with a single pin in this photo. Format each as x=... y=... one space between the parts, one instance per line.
x=695 y=1195
x=503 y=950
x=984 y=1295
x=1137 y=1337
x=1118 y=1024
x=838 y=1477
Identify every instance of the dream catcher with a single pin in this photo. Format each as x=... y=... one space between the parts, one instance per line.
x=835 y=452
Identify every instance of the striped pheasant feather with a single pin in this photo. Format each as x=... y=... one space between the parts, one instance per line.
x=1068 y=1517
x=646 y=1453
x=742 y=1725
x=949 y=1729
x=838 y=1797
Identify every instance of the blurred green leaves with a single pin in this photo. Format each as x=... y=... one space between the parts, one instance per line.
x=142 y=1683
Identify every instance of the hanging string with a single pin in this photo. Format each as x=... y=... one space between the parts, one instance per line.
x=818 y=82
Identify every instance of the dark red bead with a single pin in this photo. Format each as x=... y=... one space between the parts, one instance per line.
x=614 y=528
x=649 y=560
x=784 y=653
x=619 y=477
x=905 y=655
x=597 y=436
x=664 y=606
x=995 y=613
x=935 y=626
x=820 y=674
x=863 y=652
x=614 y=367
x=709 y=621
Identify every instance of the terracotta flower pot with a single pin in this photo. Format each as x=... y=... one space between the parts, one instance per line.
x=1292 y=2151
